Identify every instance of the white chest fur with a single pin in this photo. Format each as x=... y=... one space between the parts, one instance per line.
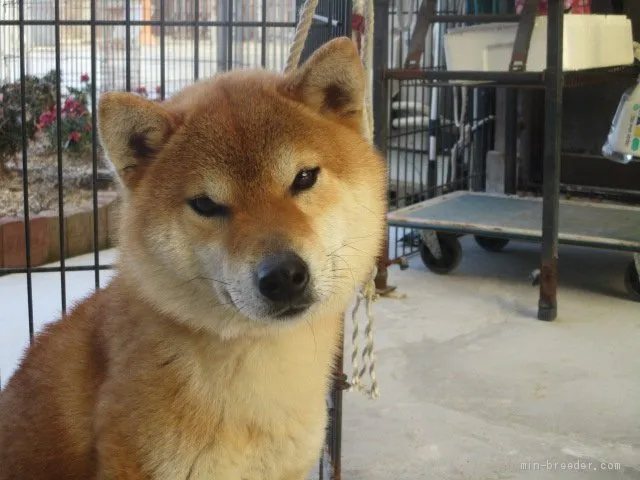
x=255 y=413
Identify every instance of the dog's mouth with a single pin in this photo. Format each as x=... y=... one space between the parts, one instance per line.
x=291 y=311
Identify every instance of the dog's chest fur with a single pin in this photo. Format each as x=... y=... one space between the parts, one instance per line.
x=249 y=411
x=244 y=450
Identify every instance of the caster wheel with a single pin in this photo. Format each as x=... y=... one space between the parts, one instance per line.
x=451 y=255
x=632 y=282
x=492 y=244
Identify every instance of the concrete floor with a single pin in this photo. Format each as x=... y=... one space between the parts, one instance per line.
x=473 y=387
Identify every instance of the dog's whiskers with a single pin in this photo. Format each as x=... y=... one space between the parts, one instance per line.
x=200 y=277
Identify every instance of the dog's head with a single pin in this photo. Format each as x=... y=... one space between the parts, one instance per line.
x=250 y=199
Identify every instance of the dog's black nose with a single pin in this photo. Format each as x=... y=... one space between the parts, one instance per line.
x=282 y=277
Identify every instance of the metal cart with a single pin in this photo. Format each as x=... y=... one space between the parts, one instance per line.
x=448 y=199
x=495 y=219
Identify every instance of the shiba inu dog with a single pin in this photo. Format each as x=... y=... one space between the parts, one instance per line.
x=252 y=210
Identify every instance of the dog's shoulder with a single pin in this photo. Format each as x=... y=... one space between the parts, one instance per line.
x=46 y=405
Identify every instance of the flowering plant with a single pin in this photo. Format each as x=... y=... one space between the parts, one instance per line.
x=76 y=123
x=144 y=93
x=39 y=96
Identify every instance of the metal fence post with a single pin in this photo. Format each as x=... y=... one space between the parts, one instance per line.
x=381 y=117
x=554 y=83
x=222 y=49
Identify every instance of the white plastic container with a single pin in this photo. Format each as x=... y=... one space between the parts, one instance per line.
x=623 y=142
x=590 y=41
x=465 y=47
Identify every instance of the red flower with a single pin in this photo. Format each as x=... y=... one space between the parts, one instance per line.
x=84 y=78
x=141 y=91
x=158 y=90
x=75 y=137
x=69 y=105
x=46 y=118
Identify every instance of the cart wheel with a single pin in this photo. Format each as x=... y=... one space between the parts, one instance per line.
x=451 y=255
x=492 y=244
x=632 y=282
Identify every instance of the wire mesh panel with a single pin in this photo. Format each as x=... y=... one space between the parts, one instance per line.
x=58 y=198
x=437 y=134
x=433 y=154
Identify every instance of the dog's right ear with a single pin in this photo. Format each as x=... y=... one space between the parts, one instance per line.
x=132 y=130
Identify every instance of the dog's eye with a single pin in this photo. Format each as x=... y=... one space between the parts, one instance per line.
x=305 y=179
x=206 y=207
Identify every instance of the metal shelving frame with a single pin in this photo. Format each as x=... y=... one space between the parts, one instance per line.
x=552 y=79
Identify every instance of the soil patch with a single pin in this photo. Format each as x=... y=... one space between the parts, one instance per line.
x=77 y=182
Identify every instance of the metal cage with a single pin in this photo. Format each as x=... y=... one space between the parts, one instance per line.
x=454 y=133
x=435 y=135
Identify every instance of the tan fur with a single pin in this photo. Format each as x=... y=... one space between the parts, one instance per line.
x=175 y=370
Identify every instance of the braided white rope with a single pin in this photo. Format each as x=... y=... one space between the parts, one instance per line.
x=368 y=291
x=368 y=295
x=302 y=32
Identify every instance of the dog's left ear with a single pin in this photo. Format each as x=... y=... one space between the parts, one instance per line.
x=331 y=82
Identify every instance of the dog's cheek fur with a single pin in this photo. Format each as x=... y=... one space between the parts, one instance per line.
x=162 y=262
x=349 y=213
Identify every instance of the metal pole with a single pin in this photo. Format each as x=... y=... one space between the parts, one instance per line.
x=25 y=156
x=511 y=141
x=239 y=34
x=434 y=119
x=222 y=47
x=339 y=384
x=380 y=115
x=547 y=304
